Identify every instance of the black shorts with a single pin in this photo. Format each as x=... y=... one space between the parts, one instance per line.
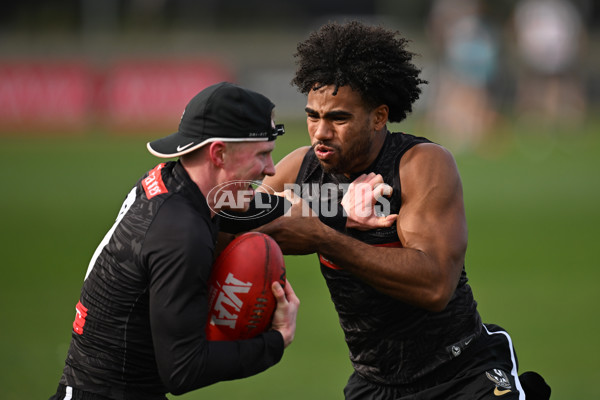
x=69 y=393
x=485 y=370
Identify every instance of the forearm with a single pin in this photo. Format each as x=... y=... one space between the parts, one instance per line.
x=187 y=361
x=237 y=360
x=409 y=275
x=265 y=208
x=214 y=362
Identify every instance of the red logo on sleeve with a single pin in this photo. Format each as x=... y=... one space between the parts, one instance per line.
x=80 y=314
x=153 y=184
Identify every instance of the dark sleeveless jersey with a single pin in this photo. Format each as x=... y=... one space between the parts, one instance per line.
x=391 y=342
x=139 y=327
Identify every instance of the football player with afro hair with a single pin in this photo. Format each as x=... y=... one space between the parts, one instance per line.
x=400 y=289
x=372 y=60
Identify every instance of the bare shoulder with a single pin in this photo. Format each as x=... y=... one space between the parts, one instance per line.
x=296 y=156
x=287 y=169
x=427 y=158
x=429 y=171
x=427 y=152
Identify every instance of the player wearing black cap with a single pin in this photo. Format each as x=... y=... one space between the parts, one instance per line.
x=139 y=328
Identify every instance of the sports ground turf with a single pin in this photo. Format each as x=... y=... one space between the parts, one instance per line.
x=533 y=214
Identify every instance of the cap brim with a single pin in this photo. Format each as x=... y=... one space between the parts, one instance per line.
x=173 y=145
x=176 y=144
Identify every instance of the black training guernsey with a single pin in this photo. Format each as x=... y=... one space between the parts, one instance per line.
x=139 y=326
x=391 y=342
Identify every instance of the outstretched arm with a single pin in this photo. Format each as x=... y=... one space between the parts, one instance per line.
x=358 y=202
x=431 y=227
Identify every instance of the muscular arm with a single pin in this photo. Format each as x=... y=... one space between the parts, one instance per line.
x=431 y=227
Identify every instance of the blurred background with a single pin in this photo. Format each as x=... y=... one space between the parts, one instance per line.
x=131 y=65
x=513 y=91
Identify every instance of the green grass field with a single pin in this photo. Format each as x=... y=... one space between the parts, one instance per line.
x=533 y=214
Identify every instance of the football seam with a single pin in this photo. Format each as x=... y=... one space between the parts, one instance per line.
x=258 y=309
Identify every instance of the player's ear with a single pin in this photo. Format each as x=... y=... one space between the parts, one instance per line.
x=380 y=116
x=216 y=153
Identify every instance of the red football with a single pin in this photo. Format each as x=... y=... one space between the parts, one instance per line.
x=241 y=303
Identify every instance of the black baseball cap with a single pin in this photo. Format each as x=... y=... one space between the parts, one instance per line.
x=225 y=112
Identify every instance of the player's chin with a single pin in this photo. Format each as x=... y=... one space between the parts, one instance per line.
x=330 y=167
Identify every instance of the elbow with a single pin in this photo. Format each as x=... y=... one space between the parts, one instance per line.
x=176 y=386
x=176 y=390
x=441 y=289
x=438 y=299
x=432 y=298
x=436 y=305
x=185 y=377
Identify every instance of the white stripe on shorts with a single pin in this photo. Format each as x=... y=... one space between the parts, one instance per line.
x=513 y=371
x=69 y=393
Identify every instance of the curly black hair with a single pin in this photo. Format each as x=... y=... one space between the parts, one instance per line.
x=372 y=60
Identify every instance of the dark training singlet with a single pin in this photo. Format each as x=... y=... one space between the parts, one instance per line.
x=391 y=342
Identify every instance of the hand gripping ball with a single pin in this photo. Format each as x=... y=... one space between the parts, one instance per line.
x=241 y=303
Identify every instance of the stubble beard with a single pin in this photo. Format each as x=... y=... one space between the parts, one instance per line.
x=348 y=159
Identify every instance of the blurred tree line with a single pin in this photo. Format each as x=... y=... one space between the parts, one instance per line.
x=254 y=36
x=77 y=16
